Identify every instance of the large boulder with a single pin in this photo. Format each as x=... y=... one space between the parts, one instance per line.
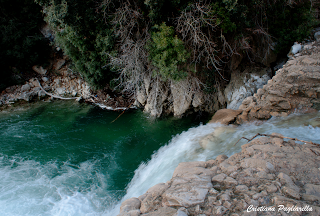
x=225 y=116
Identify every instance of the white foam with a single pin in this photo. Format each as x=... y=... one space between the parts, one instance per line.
x=185 y=147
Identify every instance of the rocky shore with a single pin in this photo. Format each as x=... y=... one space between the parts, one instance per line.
x=270 y=176
x=268 y=172
x=60 y=84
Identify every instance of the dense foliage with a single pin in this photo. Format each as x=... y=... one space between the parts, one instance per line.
x=167 y=52
x=83 y=35
x=130 y=39
x=22 y=44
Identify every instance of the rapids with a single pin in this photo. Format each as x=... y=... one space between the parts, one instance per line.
x=67 y=159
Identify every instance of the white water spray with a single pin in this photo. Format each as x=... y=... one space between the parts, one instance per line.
x=185 y=147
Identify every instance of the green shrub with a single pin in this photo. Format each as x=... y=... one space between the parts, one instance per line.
x=84 y=36
x=167 y=52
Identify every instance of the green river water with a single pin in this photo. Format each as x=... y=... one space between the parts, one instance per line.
x=68 y=159
x=55 y=151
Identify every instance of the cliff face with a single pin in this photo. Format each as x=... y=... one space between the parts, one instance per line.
x=295 y=87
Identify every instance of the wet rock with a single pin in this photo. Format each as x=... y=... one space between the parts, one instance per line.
x=130 y=204
x=149 y=201
x=225 y=116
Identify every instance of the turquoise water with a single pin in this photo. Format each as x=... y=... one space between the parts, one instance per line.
x=66 y=158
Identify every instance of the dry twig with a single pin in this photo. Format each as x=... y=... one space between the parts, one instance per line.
x=277 y=136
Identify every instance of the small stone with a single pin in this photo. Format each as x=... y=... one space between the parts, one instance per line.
x=227 y=204
x=25 y=87
x=220 y=210
x=230 y=181
x=221 y=158
x=130 y=204
x=41 y=94
x=271 y=188
x=241 y=188
x=225 y=197
x=256 y=196
x=180 y=213
x=45 y=79
x=219 y=178
x=212 y=199
x=291 y=192
x=213 y=191
x=264 y=201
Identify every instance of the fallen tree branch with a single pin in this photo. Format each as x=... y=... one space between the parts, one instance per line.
x=55 y=96
x=123 y=111
x=277 y=136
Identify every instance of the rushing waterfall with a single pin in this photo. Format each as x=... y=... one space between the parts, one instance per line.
x=76 y=163
x=185 y=147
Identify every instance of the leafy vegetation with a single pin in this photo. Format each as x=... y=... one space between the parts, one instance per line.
x=129 y=40
x=167 y=52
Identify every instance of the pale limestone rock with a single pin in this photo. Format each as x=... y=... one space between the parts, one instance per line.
x=312 y=189
x=220 y=210
x=181 y=195
x=180 y=213
x=243 y=85
x=61 y=91
x=25 y=88
x=225 y=116
x=288 y=191
x=197 y=99
x=230 y=181
x=136 y=212
x=130 y=204
x=241 y=188
x=257 y=163
x=162 y=211
x=271 y=188
x=45 y=79
x=219 y=178
x=141 y=97
x=182 y=98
